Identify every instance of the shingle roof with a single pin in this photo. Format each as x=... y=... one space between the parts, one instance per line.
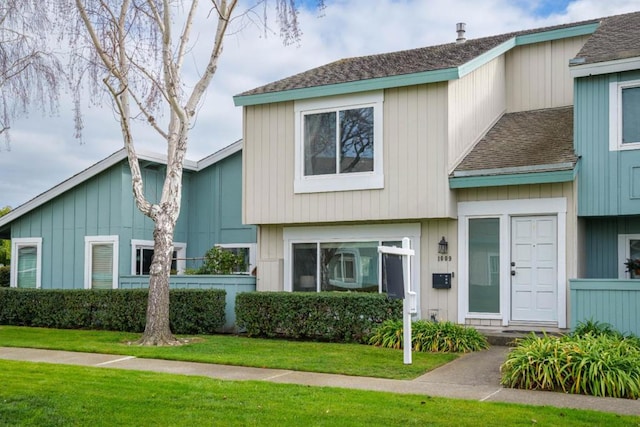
x=540 y=140
x=398 y=63
x=617 y=37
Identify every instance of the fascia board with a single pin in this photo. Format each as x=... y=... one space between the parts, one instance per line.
x=606 y=67
x=513 y=179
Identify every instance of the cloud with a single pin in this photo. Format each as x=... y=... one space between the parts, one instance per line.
x=44 y=153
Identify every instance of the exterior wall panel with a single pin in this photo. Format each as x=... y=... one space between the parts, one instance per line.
x=476 y=102
x=538 y=75
x=415 y=160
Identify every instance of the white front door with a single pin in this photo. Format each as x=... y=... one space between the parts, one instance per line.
x=534 y=278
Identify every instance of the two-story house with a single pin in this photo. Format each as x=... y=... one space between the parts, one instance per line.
x=465 y=148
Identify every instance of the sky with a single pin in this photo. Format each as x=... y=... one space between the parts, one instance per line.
x=43 y=151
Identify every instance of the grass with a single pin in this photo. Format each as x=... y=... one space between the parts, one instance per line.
x=347 y=359
x=34 y=394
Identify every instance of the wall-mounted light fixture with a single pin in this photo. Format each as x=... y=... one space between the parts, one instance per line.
x=443 y=246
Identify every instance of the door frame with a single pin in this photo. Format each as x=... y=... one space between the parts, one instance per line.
x=504 y=210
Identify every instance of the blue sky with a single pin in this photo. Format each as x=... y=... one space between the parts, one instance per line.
x=44 y=152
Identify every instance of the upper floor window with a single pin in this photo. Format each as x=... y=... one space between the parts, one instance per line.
x=26 y=260
x=624 y=122
x=339 y=143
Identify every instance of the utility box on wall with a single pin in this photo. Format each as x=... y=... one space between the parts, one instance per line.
x=442 y=280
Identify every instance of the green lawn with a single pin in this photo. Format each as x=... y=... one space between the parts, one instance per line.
x=34 y=394
x=348 y=359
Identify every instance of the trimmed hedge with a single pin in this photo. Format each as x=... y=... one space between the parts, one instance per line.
x=324 y=316
x=191 y=311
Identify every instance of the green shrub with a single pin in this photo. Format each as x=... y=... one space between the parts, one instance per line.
x=427 y=336
x=598 y=365
x=220 y=261
x=191 y=311
x=324 y=316
x=5 y=276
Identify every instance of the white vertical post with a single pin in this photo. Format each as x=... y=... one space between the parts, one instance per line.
x=409 y=303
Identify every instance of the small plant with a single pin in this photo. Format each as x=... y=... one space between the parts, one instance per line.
x=427 y=336
x=607 y=364
x=219 y=261
x=633 y=266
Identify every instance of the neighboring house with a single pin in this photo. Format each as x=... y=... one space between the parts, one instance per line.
x=606 y=73
x=464 y=148
x=88 y=233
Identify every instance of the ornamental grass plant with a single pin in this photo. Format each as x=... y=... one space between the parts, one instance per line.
x=428 y=336
x=597 y=364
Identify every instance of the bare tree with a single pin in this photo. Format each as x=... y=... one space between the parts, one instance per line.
x=131 y=47
x=29 y=73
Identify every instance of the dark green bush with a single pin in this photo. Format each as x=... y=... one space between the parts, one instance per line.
x=5 y=276
x=324 y=316
x=430 y=336
x=599 y=365
x=191 y=311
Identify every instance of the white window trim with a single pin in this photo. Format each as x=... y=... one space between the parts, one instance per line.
x=179 y=247
x=504 y=210
x=615 y=116
x=89 y=241
x=624 y=253
x=353 y=233
x=252 y=252
x=16 y=244
x=340 y=182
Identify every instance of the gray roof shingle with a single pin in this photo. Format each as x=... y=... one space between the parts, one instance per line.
x=397 y=63
x=538 y=139
x=617 y=37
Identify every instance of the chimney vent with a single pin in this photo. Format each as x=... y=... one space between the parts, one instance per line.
x=460 y=29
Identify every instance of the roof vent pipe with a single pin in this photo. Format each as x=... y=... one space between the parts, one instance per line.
x=460 y=29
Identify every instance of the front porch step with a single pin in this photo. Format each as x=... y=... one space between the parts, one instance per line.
x=507 y=337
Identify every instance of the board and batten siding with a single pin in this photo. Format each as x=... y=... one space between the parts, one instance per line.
x=214 y=205
x=414 y=156
x=538 y=76
x=601 y=244
x=609 y=181
x=476 y=102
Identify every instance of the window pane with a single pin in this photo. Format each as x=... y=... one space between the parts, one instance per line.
x=356 y=140
x=320 y=144
x=102 y=266
x=349 y=266
x=27 y=266
x=634 y=249
x=304 y=267
x=631 y=115
x=484 y=265
x=397 y=244
x=244 y=254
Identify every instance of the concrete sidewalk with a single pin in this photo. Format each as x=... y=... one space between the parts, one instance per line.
x=474 y=376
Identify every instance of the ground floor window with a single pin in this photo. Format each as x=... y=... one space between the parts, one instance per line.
x=628 y=247
x=26 y=262
x=245 y=250
x=484 y=265
x=341 y=258
x=142 y=256
x=101 y=262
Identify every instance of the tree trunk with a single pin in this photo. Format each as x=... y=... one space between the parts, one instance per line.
x=157 y=330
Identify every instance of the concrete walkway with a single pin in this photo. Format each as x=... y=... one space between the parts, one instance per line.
x=474 y=376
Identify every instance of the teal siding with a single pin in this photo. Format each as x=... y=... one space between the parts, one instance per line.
x=601 y=240
x=616 y=302
x=104 y=205
x=608 y=180
x=215 y=208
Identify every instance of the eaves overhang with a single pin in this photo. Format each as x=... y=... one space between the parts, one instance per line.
x=425 y=77
x=542 y=174
x=605 y=67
